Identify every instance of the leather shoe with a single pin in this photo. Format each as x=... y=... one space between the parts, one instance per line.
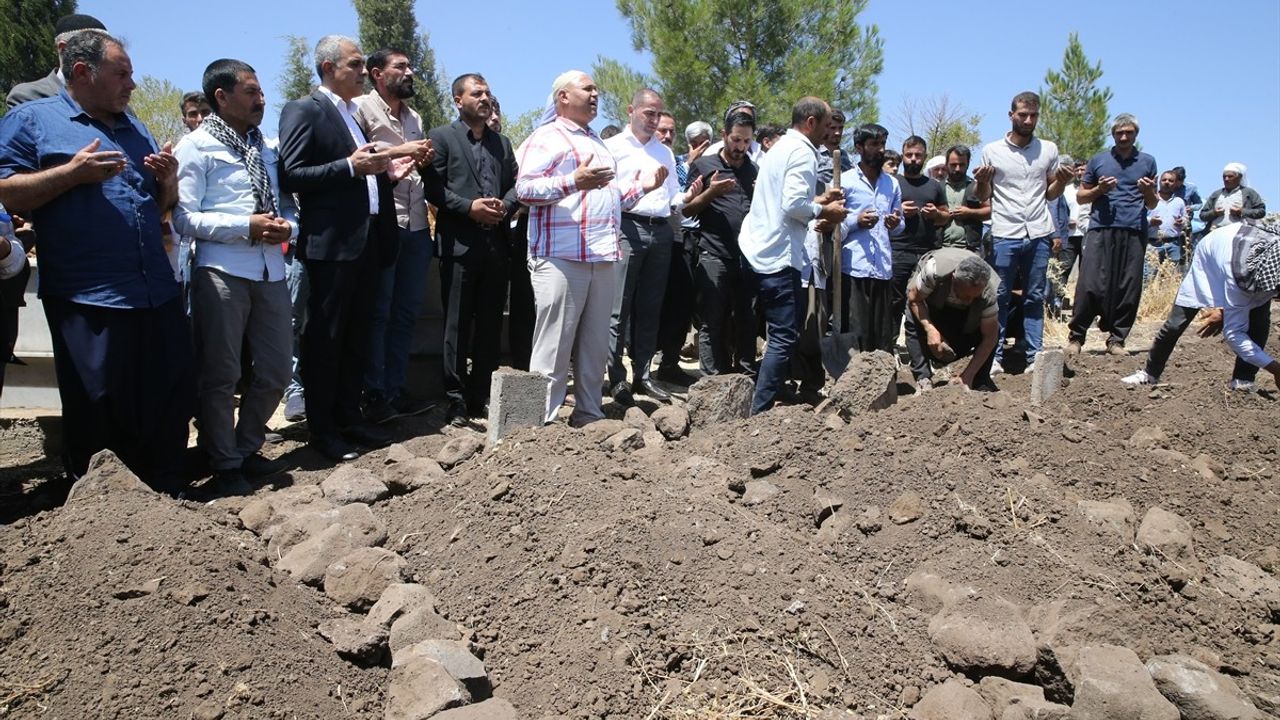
x=621 y=394
x=650 y=388
x=675 y=375
x=333 y=448
x=366 y=436
x=257 y=465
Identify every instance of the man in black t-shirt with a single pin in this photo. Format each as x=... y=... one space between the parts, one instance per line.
x=727 y=329
x=924 y=212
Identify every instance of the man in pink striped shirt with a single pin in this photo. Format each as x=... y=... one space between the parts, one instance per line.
x=567 y=178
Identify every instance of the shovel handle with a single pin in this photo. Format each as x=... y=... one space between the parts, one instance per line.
x=837 y=297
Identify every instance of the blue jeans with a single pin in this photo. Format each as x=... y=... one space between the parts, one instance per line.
x=398 y=299
x=1024 y=263
x=1171 y=251
x=778 y=296
x=295 y=276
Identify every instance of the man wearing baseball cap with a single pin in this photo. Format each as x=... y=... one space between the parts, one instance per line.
x=52 y=84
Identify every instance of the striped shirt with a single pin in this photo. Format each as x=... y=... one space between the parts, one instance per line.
x=564 y=222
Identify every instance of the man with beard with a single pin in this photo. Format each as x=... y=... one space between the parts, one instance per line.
x=229 y=201
x=472 y=183
x=727 y=323
x=387 y=119
x=966 y=211
x=924 y=211
x=1020 y=174
x=874 y=201
x=1121 y=184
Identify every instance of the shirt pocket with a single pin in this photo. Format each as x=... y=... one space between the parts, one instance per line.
x=227 y=168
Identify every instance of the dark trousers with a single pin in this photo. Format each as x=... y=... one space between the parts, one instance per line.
x=726 y=316
x=521 y=311
x=335 y=339
x=814 y=310
x=126 y=382
x=1066 y=259
x=637 y=305
x=904 y=264
x=1180 y=318
x=779 y=297
x=474 y=291
x=8 y=338
x=1110 y=284
x=678 y=304
x=871 y=313
x=950 y=323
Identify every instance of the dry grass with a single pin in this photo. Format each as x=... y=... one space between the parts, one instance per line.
x=1158 y=293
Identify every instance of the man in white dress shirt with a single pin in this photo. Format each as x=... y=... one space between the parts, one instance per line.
x=229 y=201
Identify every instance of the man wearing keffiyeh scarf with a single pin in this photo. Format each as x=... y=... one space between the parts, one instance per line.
x=1234 y=273
x=229 y=202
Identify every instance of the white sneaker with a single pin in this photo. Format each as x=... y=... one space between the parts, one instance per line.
x=1244 y=386
x=1140 y=378
x=997 y=368
x=1030 y=368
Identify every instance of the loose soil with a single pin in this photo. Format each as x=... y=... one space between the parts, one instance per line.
x=609 y=584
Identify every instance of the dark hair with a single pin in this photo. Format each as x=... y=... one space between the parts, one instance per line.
x=222 y=75
x=837 y=115
x=915 y=141
x=961 y=150
x=460 y=82
x=869 y=131
x=666 y=113
x=609 y=131
x=768 y=132
x=195 y=96
x=1027 y=98
x=1180 y=173
x=893 y=155
x=644 y=92
x=378 y=59
x=739 y=119
x=88 y=47
x=809 y=107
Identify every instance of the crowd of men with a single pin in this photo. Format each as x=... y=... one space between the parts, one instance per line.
x=216 y=278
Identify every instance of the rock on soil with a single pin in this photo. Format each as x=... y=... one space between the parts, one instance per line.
x=412 y=474
x=908 y=507
x=359 y=578
x=1010 y=699
x=460 y=449
x=1112 y=684
x=672 y=421
x=349 y=484
x=399 y=599
x=1115 y=516
x=1199 y=692
x=422 y=624
x=420 y=688
x=457 y=660
x=870 y=382
x=355 y=639
x=491 y=709
x=986 y=636
x=951 y=701
x=1166 y=535
x=719 y=399
x=1247 y=583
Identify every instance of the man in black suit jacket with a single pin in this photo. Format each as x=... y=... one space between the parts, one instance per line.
x=347 y=229
x=472 y=183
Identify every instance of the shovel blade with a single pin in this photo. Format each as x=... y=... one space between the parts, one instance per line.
x=835 y=353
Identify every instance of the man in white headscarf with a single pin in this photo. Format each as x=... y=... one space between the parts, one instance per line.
x=1236 y=272
x=1236 y=201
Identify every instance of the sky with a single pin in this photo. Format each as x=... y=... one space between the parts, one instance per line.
x=1204 y=84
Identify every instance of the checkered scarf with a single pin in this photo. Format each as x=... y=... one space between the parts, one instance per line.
x=249 y=148
x=1261 y=255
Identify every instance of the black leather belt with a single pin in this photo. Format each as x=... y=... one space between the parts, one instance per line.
x=646 y=219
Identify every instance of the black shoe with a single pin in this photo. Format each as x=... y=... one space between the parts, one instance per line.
x=650 y=388
x=675 y=375
x=621 y=394
x=257 y=465
x=380 y=412
x=229 y=482
x=334 y=448
x=272 y=437
x=366 y=436
x=407 y=405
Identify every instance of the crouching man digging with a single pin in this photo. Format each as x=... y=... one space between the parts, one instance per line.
x=952 y=297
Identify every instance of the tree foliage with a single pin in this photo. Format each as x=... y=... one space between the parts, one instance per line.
x=522 y=127
x=940 y=120
x=156 y=103
x=26 y=44
x=771 y=53
x=298 y=78
x=391 y=24
x=1073 y=109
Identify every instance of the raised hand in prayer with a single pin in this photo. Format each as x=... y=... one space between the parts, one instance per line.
x=984 y=173
x=587 y=177
x=696 y=152
x=653 y=179
x=695 y=189
x=164 y=164
x=91 y=166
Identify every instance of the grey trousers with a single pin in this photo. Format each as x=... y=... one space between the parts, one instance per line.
x=572 y=305
x=637 y=303
x=225 y=310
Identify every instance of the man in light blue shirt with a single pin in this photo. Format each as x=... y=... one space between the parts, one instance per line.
x=229 y=202
x=772 y=236
x=874 y=202
x=1166 y=222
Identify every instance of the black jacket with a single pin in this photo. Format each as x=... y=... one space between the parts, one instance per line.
x=452 y=182
x=333 y=206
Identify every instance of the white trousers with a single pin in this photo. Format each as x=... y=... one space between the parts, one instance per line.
x=574 y=302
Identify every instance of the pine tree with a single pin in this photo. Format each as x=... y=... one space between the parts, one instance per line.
x=391 y=24
x=298 y=78
x=26 y=44
x=1073 y=109
x=771 y=53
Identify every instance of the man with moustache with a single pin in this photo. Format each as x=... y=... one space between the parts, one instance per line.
x=90 y=176
x=229 y=201
x=348 y=233
x=967 y=213
x=647 y=245
x=924 y=212
x=567 y=178
x=472 y=183
x=387 y=119
x=1166 y=223
x=1020 y=174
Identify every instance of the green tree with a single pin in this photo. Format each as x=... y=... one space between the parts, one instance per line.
x=771 y=53
x=297 y=80
x=156 y=103
x=26 y=45
x=941 y=121
x=522 y=127
x=391 y=24
x=1073 y=108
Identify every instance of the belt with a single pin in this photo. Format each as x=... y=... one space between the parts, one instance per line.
x=646 y=219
